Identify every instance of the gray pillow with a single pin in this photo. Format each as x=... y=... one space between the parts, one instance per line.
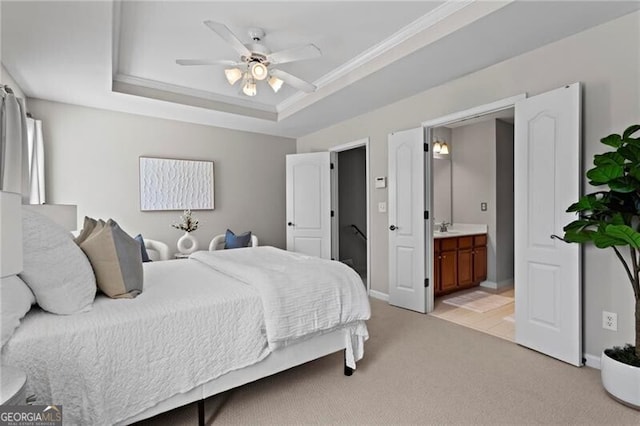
x=55 y=269
x=116 y=260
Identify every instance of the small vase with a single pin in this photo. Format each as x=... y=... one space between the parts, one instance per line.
x=187 y=244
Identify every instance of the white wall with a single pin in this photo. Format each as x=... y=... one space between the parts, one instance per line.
x=6 y=79
x=92 y=161
x=474 y=181
x=442 y=179
x=504 y=203
x=611 y=103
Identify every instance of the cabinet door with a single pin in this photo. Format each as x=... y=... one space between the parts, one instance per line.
x=436 y=268
x=479 y=264
x=465 y=267
x=448 y=270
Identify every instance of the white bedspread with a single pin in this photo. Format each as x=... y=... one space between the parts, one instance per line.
x=301 y=295
x=124 y=355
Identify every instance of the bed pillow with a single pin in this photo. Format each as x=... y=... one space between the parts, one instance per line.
x=116 y=260
x=55 y=269
x=232 y=240
x=15 y=301
x=87 y=229
x=143 y=249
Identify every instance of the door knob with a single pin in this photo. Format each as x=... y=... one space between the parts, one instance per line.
x=393 y=228
x=290 y=224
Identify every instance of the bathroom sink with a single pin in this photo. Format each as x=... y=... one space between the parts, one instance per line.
x=449 y=232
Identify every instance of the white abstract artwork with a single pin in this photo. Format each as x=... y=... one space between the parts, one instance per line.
x=169 y=184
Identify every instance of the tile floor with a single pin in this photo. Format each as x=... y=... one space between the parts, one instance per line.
x=490 y=322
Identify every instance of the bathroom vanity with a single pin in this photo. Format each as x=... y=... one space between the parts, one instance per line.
x=460 y=260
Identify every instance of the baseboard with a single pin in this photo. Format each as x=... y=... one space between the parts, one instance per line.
x=592 y=361
x=379 y=295
x=489 y=284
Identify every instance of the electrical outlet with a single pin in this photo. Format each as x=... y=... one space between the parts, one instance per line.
x=483 y=207
x=609 y=321
x=382 y=207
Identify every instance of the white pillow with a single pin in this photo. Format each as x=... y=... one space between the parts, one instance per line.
x=56 y=270
x=15 y=301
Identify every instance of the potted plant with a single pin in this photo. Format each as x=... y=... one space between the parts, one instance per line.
x=610 y=218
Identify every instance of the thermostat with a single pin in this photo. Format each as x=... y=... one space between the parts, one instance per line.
x=381 y=182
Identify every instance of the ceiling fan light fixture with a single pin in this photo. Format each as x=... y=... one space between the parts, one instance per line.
x=258 y=71
x=249 y=88
x=275 y=83
x=233 y=75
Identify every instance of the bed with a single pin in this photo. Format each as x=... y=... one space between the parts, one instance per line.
x=201 y=326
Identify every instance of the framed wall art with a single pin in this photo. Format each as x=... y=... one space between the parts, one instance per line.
x=172 y=184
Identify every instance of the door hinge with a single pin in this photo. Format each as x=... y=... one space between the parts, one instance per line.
x=333 y=213
x=426 y=282
x=426 y=147
x=331 y=166
x=426 y=215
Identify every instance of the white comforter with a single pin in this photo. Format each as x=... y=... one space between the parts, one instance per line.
x=301 y=295
x=123 y=356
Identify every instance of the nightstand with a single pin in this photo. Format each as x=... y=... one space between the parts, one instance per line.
x=181 y=256
x=12 y=386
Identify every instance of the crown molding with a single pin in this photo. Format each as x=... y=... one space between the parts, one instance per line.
x=450 y=7
x=188 y=91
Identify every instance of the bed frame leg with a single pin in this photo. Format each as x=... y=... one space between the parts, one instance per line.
x=201 y=412
x=348 y=371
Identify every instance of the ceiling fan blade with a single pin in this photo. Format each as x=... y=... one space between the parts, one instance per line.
x=225 y=33
x=207 y=62
x=294 y=81
x=296 y=54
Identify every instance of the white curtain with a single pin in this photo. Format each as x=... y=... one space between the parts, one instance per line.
x=21 y=150
x=35 y=158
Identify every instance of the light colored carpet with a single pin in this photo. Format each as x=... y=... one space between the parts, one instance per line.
x=478 y=301
x=420 y=370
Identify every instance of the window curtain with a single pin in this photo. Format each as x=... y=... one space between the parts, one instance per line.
x=35 y=159
x=21 y=150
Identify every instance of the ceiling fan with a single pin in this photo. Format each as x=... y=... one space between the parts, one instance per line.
x=257 y=61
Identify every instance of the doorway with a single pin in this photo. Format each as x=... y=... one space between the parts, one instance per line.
x=350 y=205
x=473 y=244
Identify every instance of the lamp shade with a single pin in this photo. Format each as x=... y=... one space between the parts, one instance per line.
x=233 y=75
x=249 y=88
x=444 y=150
x=10 y=234
x=275 y=83
x=258 y=71
x=65 y=215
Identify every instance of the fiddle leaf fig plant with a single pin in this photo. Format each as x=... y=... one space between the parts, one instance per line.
x=610 y=217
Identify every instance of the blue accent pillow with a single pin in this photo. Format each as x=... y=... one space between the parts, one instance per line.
x=143 y=249
x=232 y=240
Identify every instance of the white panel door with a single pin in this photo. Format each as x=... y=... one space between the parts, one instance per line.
x=406 y=220
x=309 y=204
x=548 y=284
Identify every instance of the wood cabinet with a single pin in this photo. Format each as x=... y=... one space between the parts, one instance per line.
x=459 y=262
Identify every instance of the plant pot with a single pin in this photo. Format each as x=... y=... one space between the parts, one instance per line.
x=621 y=381
x=187 y=244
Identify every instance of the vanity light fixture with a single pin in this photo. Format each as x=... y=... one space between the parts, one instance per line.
x=444 y=149
x=437 y=147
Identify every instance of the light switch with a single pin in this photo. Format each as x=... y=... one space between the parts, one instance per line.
x=483 y=207
x=382 y=207
x=381 y=182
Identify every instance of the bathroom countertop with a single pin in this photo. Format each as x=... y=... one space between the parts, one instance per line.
x=459 y=230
